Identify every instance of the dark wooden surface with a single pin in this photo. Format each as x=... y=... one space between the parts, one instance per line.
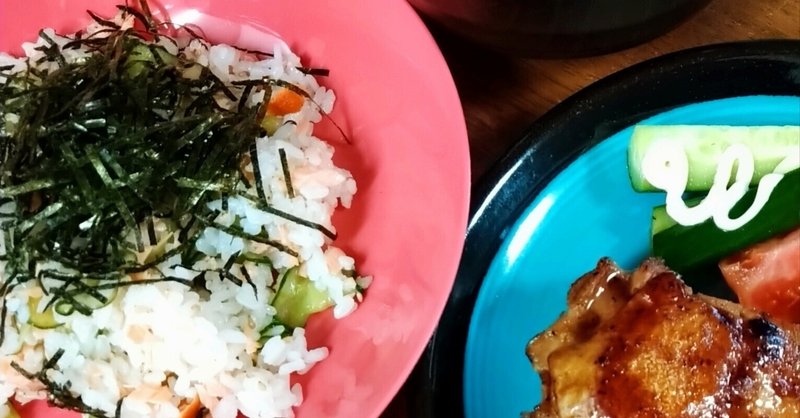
x=501 y=96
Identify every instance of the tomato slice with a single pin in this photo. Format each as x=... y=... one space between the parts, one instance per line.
x=766 y=276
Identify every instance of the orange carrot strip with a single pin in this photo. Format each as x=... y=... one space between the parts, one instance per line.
x=284 y=102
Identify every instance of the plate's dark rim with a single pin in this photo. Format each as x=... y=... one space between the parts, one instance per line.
x=769 y=67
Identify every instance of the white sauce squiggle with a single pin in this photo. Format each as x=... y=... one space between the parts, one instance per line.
x=666 y=167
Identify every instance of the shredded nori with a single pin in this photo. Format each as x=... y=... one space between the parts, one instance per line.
x=287 y=176
x=118 y=410
x=248 y=279
x=257 y=172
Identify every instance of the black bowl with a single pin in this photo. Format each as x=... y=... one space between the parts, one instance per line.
x=557 y=28
x=551 y=144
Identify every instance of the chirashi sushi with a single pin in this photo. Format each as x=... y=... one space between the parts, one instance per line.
x=165 y=214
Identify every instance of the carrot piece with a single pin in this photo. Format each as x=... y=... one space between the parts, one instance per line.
x=191 y=410
x=284 y=101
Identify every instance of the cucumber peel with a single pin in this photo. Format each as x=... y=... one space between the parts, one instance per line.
x=704 y=145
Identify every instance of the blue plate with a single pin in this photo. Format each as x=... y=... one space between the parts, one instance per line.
x=587 y=211
x=560 y=199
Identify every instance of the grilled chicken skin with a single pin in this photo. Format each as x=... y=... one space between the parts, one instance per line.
x=641 y=345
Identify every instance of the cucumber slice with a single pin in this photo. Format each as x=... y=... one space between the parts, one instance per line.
x=41 y=320
x=704 y=145
x=297 y=298
x=684 y=248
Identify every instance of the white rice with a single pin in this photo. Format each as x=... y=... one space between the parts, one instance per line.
x=161 y=345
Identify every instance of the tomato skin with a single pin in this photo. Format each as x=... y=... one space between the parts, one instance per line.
x=766 y=276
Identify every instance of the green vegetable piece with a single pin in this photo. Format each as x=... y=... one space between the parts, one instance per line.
x=298 y=298
x=165 y=56
x=271 y=123
x=685 y=248
x=41 y=320
x=138 y=60
x=142 y=56
x=705 y=144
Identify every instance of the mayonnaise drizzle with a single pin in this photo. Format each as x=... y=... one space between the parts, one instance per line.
x=666 y=167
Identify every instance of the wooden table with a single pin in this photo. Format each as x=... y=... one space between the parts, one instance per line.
x=514 y=92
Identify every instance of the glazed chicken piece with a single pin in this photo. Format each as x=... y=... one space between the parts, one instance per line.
x=641 y=345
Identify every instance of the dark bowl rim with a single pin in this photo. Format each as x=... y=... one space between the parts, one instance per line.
x=772 y=67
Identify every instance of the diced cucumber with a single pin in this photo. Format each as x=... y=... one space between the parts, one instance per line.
x=688 y=247
x=704 y=145
x=297 y=298
x=271 y=123
x=41 y=320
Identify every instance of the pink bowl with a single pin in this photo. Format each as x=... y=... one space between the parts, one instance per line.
x=397 y=103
